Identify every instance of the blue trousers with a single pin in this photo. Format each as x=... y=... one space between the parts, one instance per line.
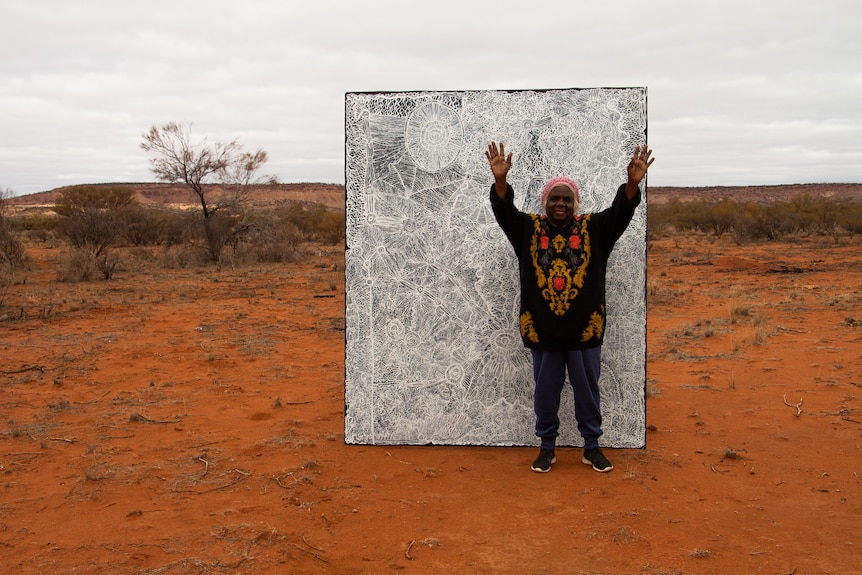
x=549 y=371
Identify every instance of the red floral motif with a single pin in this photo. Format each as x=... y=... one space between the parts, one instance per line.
x=575 y=241
x=559 y=283
x=544 y=242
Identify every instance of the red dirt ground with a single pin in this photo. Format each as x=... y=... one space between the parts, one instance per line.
x=191 y=421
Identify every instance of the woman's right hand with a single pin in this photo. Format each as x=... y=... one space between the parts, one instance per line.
x=499 y=162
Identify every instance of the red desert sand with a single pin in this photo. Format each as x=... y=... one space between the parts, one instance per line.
x=191 y=421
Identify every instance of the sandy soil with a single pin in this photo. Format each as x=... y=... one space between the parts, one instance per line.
x=191 y=421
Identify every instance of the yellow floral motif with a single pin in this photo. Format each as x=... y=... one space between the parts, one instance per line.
x=560 y=243
x=559 y=269
x=528 y=332
x=596 y=327
x=534 y=248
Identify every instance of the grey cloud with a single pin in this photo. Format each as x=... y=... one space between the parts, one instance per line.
x=739 y=92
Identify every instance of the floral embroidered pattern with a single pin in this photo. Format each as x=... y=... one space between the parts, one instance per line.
x=560 y=262
x=596 y=327
x=527 y=330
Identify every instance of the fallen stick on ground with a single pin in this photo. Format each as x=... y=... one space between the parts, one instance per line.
x=798 y=406
x=137 y=417
x=206 y=464
x=25 y=368
x=312 y=553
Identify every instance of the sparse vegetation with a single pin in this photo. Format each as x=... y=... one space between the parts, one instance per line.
x=802 y=215
x=11 y=249
x=178 y=159
x=91 y=219
x=111 y=233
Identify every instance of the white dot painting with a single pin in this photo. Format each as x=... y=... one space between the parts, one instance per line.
x=433 y=351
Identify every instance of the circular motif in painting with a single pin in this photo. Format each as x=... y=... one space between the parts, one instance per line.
x=435 y=136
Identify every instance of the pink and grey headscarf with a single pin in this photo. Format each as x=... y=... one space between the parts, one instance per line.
x=560 y=181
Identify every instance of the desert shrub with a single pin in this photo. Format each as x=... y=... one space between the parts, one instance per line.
x=260 y=234
x=314 y=221
x=11 y=249
x=183 y=235
x=752 y=222
x=190 y=240
x=850 y=218
x=180 y=227
x=40 y=227
x=331 y=230
x=674 y=213
x=275 y=243
x=75 y=266
x=147 y=226
x=12 y=254
x=749 y=221
x=720 y=217
x=6 y=279
x=816 y=215
x=274 y=236
x=182 y=257
x=80 y=265
x=91 y=218
x=697 y=215
x=657 y=226
x=222 y=229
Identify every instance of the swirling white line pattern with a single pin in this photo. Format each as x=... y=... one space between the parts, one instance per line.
x=433 y=354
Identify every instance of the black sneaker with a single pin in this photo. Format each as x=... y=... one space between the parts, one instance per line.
x=543 y=462
x=597 y=459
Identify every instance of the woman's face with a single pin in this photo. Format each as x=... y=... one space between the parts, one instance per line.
x=560 y=205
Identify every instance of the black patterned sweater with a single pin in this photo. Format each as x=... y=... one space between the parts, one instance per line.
x=562 y=270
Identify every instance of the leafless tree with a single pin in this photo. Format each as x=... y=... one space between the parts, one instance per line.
x=179 y=159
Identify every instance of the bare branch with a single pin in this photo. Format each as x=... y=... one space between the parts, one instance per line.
x=798 y=406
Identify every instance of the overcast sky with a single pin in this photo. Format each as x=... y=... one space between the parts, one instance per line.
x=739 y=92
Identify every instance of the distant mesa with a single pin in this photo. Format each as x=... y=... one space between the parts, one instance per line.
x=330 y=195
x=759 y=194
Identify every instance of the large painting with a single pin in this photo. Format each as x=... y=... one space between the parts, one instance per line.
x=433 y=352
